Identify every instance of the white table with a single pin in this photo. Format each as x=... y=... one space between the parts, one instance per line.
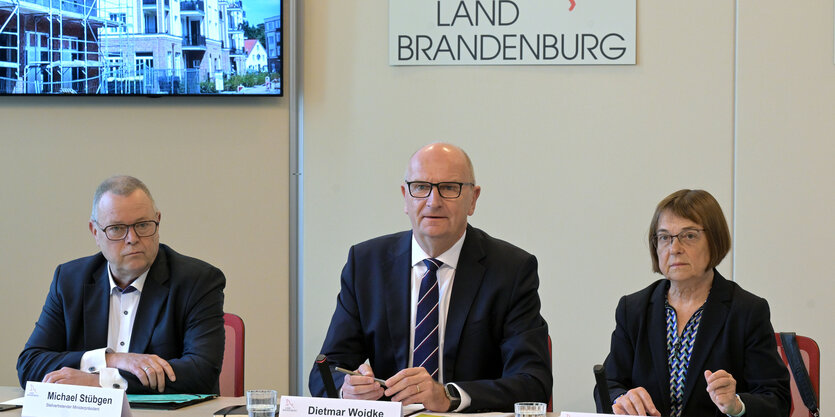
x=204 y=409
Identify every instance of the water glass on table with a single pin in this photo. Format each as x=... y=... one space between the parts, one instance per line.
x=530 y=409
x=261 y=402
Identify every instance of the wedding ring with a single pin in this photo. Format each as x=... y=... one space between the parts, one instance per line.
x=146 y=368
x=418 y=388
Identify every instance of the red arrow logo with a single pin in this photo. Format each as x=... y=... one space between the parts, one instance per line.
x=572 y=5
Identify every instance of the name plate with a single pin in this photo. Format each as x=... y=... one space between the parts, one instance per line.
x=60 y=400
x=291 y=406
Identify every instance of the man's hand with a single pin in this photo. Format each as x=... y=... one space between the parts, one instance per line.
x=72 y=376
x=722 y=389
x=150 y=369
x=362 y=387
x=636 y=402
x=415 y=385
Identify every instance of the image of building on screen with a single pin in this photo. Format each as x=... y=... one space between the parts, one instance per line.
x=132 y=46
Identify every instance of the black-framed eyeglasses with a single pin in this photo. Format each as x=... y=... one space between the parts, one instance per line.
x=144 y=228
x=687 y=237
x=447 y=189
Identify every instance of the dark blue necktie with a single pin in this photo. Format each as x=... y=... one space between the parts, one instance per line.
x=426 y=320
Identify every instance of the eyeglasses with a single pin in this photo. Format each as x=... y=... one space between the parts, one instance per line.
x=119 y=231
x=422 y=189
x=687 y=237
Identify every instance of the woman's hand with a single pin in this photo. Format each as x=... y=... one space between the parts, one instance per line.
x=722 y=389
x=636 y=402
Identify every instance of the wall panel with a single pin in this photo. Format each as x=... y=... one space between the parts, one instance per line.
x=217 y=168
x=785 y=172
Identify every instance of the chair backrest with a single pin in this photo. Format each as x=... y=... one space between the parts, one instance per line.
x=811 y=357
x=232 y=371
x=550 y=397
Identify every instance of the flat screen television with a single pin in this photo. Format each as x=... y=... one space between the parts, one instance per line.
x=141 y=47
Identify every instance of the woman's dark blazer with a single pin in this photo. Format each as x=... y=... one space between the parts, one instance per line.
x=735 y=334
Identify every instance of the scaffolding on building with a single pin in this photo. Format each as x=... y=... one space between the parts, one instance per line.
x=55 y=47
x=120 y=72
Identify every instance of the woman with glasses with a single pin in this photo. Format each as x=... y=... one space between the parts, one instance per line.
x=694 y=343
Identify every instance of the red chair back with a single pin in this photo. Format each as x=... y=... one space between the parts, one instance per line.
x=232 y=371
x=811 y=357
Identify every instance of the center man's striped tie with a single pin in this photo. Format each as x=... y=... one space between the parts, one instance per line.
x=426 y=320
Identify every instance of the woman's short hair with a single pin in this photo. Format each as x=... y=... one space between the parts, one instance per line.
x=700 y=207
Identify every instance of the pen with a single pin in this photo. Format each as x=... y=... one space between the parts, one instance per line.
x=347 y=372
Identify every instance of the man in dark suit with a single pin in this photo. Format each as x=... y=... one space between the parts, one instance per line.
x=487 y=345
x=137 y=316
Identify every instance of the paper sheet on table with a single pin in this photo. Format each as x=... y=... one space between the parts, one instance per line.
x=14 y=401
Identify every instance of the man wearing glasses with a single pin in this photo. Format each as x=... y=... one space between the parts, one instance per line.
x=445 y=314
x=136 y=316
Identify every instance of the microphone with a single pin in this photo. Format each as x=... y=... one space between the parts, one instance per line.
x=603 y=389
x=327 y=378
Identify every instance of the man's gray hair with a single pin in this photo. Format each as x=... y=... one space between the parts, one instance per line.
x=123 y=185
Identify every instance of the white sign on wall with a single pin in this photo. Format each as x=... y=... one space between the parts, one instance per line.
x=512 y=32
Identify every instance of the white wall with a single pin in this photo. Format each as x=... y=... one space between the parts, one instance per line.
x=786 y=168
x=218 y=169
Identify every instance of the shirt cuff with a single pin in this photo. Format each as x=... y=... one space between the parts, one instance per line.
x=111 y=378
x=93 y=361
x=741 y=413
x=465 y=398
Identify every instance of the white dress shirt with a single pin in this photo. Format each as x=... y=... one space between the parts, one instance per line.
x=446 y=276
x=121 y=317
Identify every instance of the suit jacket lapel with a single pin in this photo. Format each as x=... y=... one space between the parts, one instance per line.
x=396 y=290
x=151 y=302
x=97 y=308
x=657 y=328
x=468 y=277
x=713 y=320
